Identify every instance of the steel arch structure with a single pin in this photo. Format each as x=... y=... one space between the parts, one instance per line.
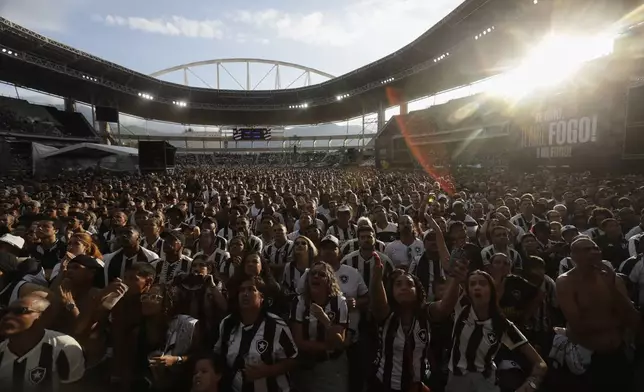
x=219 y=64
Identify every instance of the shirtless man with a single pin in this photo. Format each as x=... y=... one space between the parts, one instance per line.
x=597 y=309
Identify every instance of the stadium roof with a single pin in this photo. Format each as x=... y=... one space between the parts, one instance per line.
x=446 y=56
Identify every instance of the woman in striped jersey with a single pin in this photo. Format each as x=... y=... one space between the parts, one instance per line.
x=403 y=316
x=304 y=254
x=319 y=327
x=479 y=330
x=253 y=265
x=256 y=345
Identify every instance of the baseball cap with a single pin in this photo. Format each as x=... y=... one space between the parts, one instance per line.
x=330 y=238
x=13 y=240
x=344 y=208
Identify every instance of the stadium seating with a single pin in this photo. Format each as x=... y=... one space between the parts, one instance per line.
x=20 y=116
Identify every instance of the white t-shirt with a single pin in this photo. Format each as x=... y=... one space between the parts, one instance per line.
x=403 y=255
x=56 y=359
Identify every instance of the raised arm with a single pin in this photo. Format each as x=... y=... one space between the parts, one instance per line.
x=379 y=305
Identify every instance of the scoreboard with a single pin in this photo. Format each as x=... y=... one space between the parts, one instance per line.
x=251 y=134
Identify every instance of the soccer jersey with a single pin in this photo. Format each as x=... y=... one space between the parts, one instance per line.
x=401 y=354
x=475 y=342
x=56 y=359
x=278 y=255
x=267 y=341
x=364 y=266
x=353 y=245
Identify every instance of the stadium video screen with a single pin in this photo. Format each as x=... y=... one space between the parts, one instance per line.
x=252 y=134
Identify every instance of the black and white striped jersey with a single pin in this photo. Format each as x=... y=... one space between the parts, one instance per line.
x=428 y=269
x=56 y=359
x=155 y=246
x=117 y=263
x=166 y=271
x=226 y=267
x=227 y=233
x=634 y=244
x=220 y=243
x=401 y=354
x=217 y=257
x=353 y=245
x=291 y=277
x=314 y=330
x=267 y=341
x=355 y=260
x=278 y=255
x=515 y=258
x=343 y=235
x=524 y=223
x=475 y=342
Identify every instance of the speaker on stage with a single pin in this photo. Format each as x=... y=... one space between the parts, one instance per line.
x=156 y=156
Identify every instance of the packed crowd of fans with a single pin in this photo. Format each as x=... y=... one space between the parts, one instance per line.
x=259 y=278
x=306 y=159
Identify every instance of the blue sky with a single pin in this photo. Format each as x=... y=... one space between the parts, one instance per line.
x=334 y=36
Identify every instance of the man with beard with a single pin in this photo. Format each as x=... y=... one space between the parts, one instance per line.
x=429 y=267
x=408 y=248
x=526 y=218
x=228 y=230
x=363 y=258
x=50 y=250
x=130 y=251
x=501 y=244
x=599 y=316
x=32 y=357
x=152 y=240
x=242 y=228
x=354 y=244
x=342 y=228
x=174 y=262
x=109 y=240
x=385 y=231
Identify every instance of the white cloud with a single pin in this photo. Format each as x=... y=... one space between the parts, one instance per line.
x=173 y=26
x=377 y=22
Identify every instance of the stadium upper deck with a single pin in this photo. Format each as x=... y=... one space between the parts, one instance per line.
x=446 y=56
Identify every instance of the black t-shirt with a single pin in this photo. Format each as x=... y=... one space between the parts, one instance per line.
x=615 y=251
x=517 y=295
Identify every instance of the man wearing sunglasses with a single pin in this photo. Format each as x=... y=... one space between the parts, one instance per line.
x=32 y=357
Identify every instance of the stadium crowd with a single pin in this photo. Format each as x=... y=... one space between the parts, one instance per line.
x=257 y=278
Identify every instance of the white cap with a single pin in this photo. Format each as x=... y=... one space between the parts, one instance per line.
x=13 y=240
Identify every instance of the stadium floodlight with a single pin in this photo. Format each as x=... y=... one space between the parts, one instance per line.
x=476 y=37
x=146 y=96
x=339 y=98
x=535 y=2
x=182 y=104
x=4 y=50
x=305 y=105
x=9 y=52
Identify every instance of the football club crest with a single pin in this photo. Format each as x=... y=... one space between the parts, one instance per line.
x=516 y=294
x=261 y=346
x=422 y=335
x=344 y=279
x=331 y=316
x=491 y=338
x=417 y=249
x=269 y=301
x=36 y=375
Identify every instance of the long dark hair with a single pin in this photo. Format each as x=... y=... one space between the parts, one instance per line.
x=499 y=321
x=240 y=276
x=389 y=290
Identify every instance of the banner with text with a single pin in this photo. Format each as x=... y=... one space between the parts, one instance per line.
x=559 y=131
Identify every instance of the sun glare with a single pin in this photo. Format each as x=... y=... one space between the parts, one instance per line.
x=552 y=61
